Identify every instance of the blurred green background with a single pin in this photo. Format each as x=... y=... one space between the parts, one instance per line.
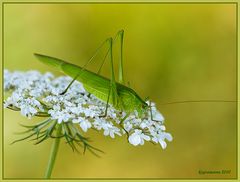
x=172 y=52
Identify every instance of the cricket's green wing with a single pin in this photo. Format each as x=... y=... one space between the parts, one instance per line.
x=50 y=61
x=92 y=82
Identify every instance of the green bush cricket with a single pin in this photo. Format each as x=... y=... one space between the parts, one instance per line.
x=118 y=94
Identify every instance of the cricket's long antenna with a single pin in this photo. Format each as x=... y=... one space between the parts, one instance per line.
x=196 y=101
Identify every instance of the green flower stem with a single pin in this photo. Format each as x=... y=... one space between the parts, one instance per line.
x=53 y=154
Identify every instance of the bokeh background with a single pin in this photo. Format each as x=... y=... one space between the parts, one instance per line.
x=172 y=52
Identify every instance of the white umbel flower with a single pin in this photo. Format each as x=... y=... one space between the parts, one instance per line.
x=33 y=93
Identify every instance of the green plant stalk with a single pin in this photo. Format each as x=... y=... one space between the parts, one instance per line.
x=53 y=154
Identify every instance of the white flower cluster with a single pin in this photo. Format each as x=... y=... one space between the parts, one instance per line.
x=33 y=92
